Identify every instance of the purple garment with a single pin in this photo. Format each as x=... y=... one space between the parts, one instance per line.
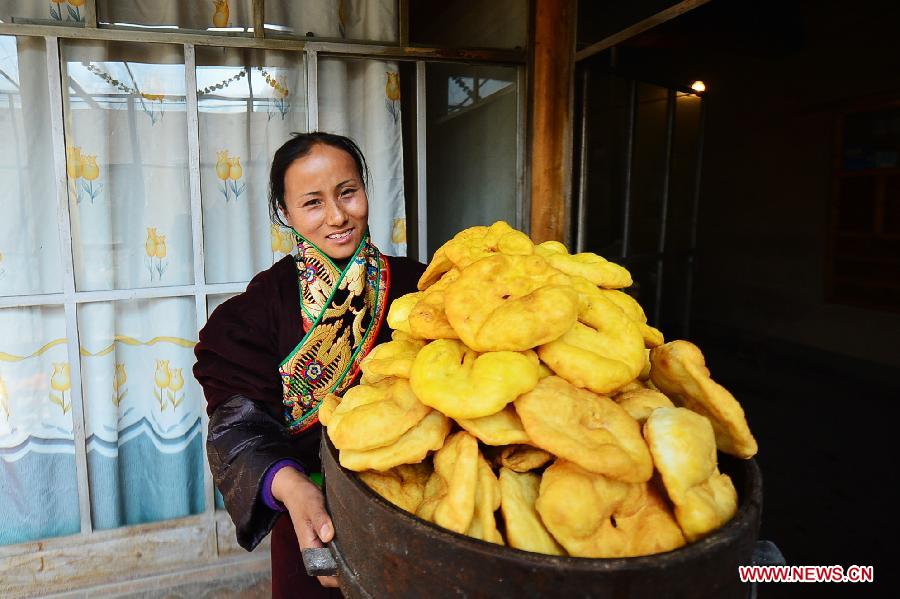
x=266 y=489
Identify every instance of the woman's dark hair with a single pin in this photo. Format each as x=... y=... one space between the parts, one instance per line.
x=298 y=146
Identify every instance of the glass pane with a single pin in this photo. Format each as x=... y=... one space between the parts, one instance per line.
x=38 y=485
x=872 y=140
x=143 y=410
x=250 y=102
x=127 y=164
x=29 y=235
x=683 y=176
x=645 y=274
x=51 y=12
x=469 y=23
x=471 y=121
x=361 y=99
x=214 y=301
x=673 y=300
x=648 y=168
x=607 y=161
x=225 y=16
x=350 y=20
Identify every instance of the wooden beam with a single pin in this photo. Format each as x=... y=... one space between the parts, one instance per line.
x=259 y=18
x=638 y=28
x=551 y=117
x=336 y=48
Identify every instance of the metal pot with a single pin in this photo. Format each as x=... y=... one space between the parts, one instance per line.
x=383 y=551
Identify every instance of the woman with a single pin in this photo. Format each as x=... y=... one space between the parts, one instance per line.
x=268 y=357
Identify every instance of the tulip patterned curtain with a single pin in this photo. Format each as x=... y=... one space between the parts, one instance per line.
x=130 y=213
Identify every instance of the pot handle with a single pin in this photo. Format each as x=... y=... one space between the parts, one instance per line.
x=319 y=561
x=766 y=553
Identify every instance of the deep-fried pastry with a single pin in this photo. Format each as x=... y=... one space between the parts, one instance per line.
x=639 y=403
x=591 y=430
x=592 y=515
x=524 y=529
x=410 y=448
x=679 y=370
x=684 y=451
x=510 y=303
x=403 y=485
x=449 y=377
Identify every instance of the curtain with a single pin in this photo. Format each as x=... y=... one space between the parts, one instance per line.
x=38 y=489
x=128 y=187
x=184 y=14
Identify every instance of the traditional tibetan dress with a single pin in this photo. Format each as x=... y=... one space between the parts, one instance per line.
x=267 y=357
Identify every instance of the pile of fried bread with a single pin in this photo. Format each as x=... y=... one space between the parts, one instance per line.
x=525 y=401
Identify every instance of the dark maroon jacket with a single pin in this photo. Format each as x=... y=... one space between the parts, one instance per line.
x=238 y=356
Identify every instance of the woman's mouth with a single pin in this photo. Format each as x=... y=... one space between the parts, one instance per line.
x=340 y=236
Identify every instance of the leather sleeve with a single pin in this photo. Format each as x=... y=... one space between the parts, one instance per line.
x=244 y=440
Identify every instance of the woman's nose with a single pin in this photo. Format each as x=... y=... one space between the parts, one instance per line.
x=334 y=214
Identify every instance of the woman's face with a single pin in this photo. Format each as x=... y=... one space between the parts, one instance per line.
x=325 y=200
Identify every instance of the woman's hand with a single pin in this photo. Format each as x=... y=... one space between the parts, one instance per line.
x=306 y=505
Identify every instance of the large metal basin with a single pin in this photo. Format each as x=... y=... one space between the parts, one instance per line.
x=383 y=551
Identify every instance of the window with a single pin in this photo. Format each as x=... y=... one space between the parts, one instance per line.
x=134 y=202
x=863 y=255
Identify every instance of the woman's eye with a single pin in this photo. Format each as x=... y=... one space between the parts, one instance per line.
x=312 y=203
x=347 y=192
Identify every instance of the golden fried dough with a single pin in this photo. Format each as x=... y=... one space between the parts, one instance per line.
x=435 y=489
x=450 y=500
x=510 y=303
x=375 y=415
x=393 y=358
x=684 y=451
x=435 y=270
x=591 y=430
x=487 y=501
x=640 y=402
x=652 y=336
x=403 y=485
x=522 y=458
x=428 y=320
x=473 y=244
x=501 y=428
x=398 y=335
x=588 y=294
x=543 y=370
x=327 y=407
x=463 y=384
x=441 y=263
x=410 y=448
x=498 y=238
x=678 y=369
x=632 y=386
x=592 y=267
x=524 y=529
x=398 y=313
x=594 y=516
x=644 y=376
x=601 y=361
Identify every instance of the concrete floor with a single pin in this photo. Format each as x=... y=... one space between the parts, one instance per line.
x=256 y=586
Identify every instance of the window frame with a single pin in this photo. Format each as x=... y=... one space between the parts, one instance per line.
x=203 y=540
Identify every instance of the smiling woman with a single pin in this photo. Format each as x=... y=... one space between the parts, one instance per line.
x=265 y=377
x=323 y=197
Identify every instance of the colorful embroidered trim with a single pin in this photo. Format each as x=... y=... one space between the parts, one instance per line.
x=341 y=312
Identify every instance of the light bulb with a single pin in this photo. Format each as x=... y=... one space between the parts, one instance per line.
x=698 y=86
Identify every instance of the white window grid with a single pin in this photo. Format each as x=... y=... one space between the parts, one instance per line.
x=70 y=298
